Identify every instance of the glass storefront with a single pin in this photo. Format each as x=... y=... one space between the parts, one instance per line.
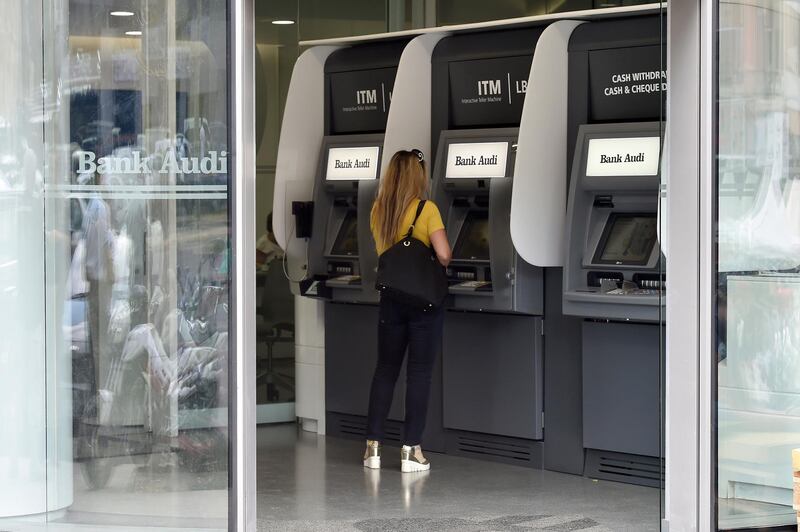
x=757 y=263
x=115 y=167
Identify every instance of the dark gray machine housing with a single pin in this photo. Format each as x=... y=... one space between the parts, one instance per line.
x=603 y=376
x=341 y=207
x=595 y=204
x=355 y=118
x=491 y=386
x=462 y=112
x=358 y=85
x=516 y=286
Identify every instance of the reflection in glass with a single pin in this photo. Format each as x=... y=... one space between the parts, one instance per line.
x=276 y=52
x=758 y=263
x=137 y=257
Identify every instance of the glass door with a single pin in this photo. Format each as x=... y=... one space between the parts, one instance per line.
x=116 y=264
x=662 y=263
x=757 y=291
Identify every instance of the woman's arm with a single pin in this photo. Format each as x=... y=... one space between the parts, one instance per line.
x=441 y=246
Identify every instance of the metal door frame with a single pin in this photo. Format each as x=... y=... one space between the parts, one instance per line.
x=242 y=420
x=689 y=370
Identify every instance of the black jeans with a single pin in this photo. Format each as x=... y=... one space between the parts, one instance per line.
x=404 y=327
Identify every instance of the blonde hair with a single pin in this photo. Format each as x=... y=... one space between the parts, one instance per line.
x=405 y=180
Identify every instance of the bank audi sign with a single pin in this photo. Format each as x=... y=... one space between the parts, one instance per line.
x=346 y=164
x=477 y=160
x=137 y=164
x=635 y=156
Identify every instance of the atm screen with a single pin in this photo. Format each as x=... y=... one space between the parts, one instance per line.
x=353 y=163
x=346 y=243
x=628 y=239
x=473 y=241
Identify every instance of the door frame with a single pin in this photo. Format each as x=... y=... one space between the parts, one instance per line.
x=242 y=421
x=689 y=371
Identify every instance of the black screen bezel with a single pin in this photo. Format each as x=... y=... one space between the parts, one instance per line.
x=462 y=235
x=337 y=242
x=610 y=222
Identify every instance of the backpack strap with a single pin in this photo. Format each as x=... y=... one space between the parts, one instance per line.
x=416 y=217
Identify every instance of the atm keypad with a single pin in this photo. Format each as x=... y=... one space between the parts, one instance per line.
x=340 y=269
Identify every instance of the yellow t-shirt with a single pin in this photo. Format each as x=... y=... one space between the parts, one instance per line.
x=430 y=221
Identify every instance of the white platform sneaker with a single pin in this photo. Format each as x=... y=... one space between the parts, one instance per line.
x=412 y=460
x=372 y=456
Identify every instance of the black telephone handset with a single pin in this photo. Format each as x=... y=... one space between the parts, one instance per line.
x=303 y=212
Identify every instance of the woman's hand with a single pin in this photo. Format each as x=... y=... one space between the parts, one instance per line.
x=442 y=247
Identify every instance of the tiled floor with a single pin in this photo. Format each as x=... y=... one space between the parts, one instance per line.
x=313 y=483
x=308 y=482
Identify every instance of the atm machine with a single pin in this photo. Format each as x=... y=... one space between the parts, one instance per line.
x=613 y=277
x=342 y=260
x=492 y=361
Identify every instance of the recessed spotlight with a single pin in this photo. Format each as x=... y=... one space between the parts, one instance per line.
x=133 y=33
x=121 y=13
x=283 y=22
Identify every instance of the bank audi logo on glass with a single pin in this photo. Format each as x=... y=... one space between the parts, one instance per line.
x=137 y=164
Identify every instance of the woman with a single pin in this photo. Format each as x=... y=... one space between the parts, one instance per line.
x=401 y=326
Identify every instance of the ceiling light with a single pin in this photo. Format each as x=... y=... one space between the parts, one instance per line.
x=122 y=13
x=283 y=22
x=133 y=33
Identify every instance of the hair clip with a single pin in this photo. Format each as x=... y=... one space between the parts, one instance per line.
x=419 y=154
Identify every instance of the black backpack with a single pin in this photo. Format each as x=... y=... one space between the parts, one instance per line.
x=410 y=272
